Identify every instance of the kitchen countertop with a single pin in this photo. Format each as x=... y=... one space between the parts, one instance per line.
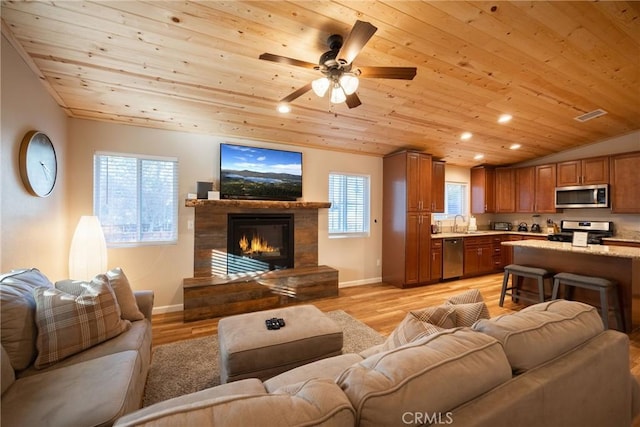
x=484 y=233
x=604 y=250
x=519 y=233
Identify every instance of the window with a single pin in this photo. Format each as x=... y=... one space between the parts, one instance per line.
x=349 y=212
x=455 y=200
x=136 y=198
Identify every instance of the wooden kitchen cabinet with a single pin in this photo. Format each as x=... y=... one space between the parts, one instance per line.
x=525 y=189
x=418 y=182
x=436 y=259
x=406 y=226
x=505 y=190
x=482 y=190
x=437 y=187
x=589 y=171
x=625 y=183
x=478 y=255
x=545 y=186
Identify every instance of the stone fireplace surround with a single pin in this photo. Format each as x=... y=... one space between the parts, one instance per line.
x=213 y=293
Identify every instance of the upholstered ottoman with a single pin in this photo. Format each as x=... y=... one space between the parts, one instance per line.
x=249 y=350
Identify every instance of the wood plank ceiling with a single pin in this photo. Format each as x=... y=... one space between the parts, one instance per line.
x=193 y=66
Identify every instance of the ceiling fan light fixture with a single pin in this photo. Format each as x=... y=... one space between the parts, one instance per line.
x=349 y=83
x=337 y=94
x=320 y=86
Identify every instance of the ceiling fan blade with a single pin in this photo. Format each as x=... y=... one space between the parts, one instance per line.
x=359 y=36
x=304 y=89
x=403 y=73
x=352 y=101
x=285 y=60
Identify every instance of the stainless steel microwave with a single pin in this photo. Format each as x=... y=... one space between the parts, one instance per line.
x=583 y=196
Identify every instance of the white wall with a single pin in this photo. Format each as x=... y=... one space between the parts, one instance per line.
x=163 y=267
x=34 y=230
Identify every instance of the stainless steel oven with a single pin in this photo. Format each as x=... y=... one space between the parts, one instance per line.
x=583 y=196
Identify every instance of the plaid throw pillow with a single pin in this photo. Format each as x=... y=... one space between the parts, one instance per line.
x=418 y=324
x=68 y=324
x=469 y=307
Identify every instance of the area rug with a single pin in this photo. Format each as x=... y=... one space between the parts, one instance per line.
x=187 y=366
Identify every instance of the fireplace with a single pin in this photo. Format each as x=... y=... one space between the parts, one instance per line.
x=258 y=242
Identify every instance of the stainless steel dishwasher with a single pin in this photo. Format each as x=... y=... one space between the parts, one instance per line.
x=452 y=258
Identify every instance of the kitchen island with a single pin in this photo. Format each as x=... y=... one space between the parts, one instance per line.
x=618 y=263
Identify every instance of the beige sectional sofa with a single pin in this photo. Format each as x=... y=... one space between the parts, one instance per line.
x=551 y=364
x=47 y=380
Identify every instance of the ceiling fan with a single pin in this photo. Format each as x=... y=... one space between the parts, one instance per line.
x=337 y=67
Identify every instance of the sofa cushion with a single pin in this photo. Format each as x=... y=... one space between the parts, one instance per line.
x=68 y=324
x=7 y=374
x=137 y=337
x=330 y=368
x=542 y=331
x=433 y=374
x=18 y=307
x=91 y=393
x=314 y=402
x=421 y=323
x=124 y=294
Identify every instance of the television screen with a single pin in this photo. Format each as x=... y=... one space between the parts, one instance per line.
x=259 y=173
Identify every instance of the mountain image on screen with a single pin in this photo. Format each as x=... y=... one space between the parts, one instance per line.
x=259 y=173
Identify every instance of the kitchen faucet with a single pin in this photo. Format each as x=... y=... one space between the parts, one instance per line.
x=455 y=223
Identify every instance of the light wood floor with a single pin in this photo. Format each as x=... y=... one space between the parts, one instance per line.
x=380 y=306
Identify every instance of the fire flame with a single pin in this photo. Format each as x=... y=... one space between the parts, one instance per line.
x=257 y=245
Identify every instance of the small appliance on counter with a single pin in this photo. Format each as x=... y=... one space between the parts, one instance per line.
x=535 y=227
x=502 y=226
x=523 y=227
x=596 y=230
x=473 y=225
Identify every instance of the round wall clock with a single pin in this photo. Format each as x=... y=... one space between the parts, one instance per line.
x=38 y=163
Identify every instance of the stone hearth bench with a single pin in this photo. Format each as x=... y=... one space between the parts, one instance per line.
x=216 y=296
x=249 y=350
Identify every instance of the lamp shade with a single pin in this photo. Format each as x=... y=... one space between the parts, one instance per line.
x=337 y=94
x=349 y=83
x=88 y=253
x=320 y=86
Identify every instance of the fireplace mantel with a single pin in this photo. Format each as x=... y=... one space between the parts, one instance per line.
x=256 y=204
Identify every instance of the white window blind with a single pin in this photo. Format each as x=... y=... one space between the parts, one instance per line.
x=349 y=197
x=136 y=198
x=455 y=200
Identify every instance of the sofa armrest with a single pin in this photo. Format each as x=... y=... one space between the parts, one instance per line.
x=144 y=299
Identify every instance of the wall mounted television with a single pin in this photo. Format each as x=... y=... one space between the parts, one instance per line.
x=253 y=173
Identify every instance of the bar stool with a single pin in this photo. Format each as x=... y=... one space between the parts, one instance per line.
x=603 y=286
x=519 y=272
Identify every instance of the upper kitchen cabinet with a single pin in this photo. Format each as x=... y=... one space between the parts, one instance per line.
x=583 y=172
x=505 y=190
x=545 y=185
x=625 y=183
x=482 y=190
x=525 y=189
x=437 y=187
x=418 y=181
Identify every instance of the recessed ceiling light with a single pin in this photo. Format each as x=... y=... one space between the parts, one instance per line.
x=514 y=146
x=284 y=108
x=478 y=157
x=466 y=135
x=505 y=118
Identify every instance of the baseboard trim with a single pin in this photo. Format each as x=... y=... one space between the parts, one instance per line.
x=360 y=282
x=167 y=309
